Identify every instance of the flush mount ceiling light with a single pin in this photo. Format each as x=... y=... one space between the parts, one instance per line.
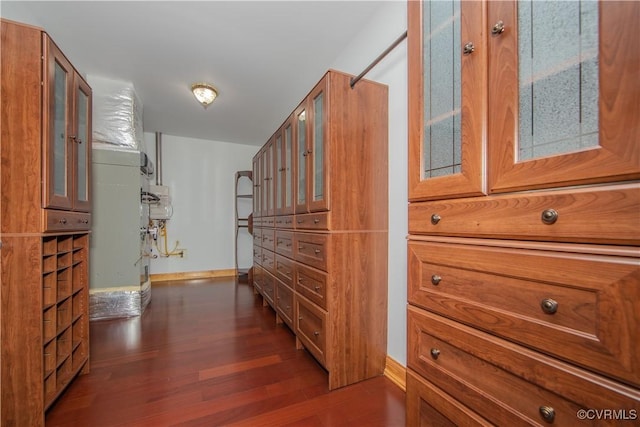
x=204 y=93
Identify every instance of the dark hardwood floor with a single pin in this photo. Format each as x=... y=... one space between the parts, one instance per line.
x=206 y=353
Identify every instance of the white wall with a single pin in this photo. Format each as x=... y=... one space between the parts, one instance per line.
x=389 y=24
x=201 y=177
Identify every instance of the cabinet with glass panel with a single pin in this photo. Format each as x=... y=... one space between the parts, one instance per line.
x=44 y=220
x=524 y=159
x=67 y=134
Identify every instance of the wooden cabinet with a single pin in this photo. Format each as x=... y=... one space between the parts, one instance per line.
x=329 y=260
x=523 y=265
x=45 y=222
x=67 y=133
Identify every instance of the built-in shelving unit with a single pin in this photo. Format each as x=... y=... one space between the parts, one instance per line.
x=242 y=212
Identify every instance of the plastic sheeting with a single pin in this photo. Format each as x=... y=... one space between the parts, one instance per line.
x=117 y=304
x=117 y=113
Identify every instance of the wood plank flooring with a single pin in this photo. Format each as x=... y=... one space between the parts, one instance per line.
x=206 y=353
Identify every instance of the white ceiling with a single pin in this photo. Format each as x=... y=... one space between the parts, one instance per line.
x=262 y=56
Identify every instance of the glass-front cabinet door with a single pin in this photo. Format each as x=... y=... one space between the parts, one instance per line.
x=287 y=165
x=58 y=148
x=564 y=106
x=267 y=193
x=302 y=155
x=317 y=173
x=257 y=192
x=447 y=99
x=81 y=143
x=278 y=161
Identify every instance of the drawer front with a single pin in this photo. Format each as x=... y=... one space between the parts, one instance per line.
x=313 y=221
x=429 y=406
x=258 y=278
x=268 y=221
x=311 y=249
x=284 y=243
x=55 y=220
x=285 y=269
x=284 y=221
x=268 y=239
x=577 y=307
x=269 y=289
x=257 y=235
x=312 y=284
x=594 y=215
x=495 y=378
x=269 y=261
x=311 y=328
x=284 y=303
x=257 y=254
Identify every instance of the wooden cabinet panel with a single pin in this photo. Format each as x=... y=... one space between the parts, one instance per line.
x=503 y=382
x=269 y=261
x=283 y=221
x=579 y=307
x=285 y=269
x=56 y=220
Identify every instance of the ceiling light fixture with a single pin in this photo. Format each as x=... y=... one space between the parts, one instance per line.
x=204 y=93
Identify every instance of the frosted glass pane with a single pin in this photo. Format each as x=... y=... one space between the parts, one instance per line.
x=302 y=158
x=558 y=77
x=318 y=147
x=83 y=133
x=278 y=173
x=442 y=100
x=287 y=189
x=59 y=131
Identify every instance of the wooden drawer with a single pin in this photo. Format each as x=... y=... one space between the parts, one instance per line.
x=313 y=221
x=312 y=284
x=269 y=261
x=284 y=303
x=284 y=269
x=257 y=254
x=607 y=214
x=269 y=289
x=283 y=221
x=268 y=221
x=579 y=307
x=311 y=249
x=311 y=327
x=54 y=220
x=258 y=278
x=505 y=383
x=429 y=406
x=268 y=239
x=257 y=235
x=284 y=243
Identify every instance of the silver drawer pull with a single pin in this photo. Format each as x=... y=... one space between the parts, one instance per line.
x=300 y=247
x=317 y=288
x=435 y=353
x=317 y=251
x=300 y=221
x=315 y=221
x=548 y=413
x=63 y=221
x=435 y=218
x=316 y=333
x=435 y=279
x=549 y=216
x=549 y=305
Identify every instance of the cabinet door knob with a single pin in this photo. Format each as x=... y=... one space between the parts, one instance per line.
x=548 y=413
x=549 y=216
x=435 y=279
x=498 y=28
x=435 y=218
x=435 y=353
x=63 y=221
x=468 y=48
x=549 y=306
